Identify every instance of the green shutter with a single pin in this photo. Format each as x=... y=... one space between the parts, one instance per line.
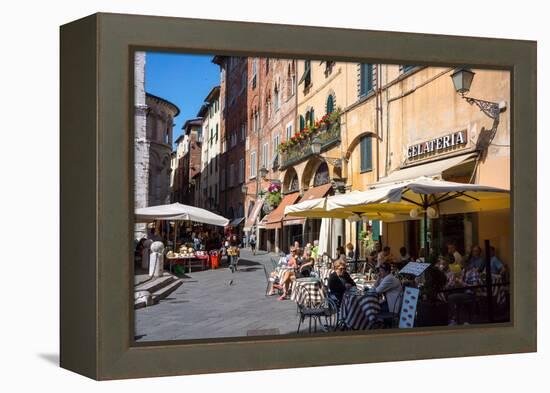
x=375 y=230
x=366 y=79
x=366 y=154
x=330 y=104
x=302 y=123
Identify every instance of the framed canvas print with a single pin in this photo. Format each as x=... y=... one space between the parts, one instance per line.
x=242 y=196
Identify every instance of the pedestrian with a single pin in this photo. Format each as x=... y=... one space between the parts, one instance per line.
x=252 y=242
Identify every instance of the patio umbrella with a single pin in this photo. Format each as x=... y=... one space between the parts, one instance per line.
x=179 y=212
x=422 y=195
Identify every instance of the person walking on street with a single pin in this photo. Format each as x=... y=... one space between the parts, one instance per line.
x=252 y=242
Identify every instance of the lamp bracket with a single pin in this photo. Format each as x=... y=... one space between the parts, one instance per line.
x=491 y=109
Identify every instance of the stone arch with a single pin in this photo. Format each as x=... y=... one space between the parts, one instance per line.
x=355 y=141
x=310 y=170
x=290 y=176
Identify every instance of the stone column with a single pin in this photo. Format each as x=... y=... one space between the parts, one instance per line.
x=277 y=240
x=141 y=145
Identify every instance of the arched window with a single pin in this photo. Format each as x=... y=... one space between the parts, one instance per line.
x=293 y=185
x=311 y=118
x=321 y=175
x=330 y=104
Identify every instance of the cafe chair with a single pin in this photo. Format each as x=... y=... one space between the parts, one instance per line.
x=391 y=319
x=316 y=314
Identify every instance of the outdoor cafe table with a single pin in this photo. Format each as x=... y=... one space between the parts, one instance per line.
x=359 y=309
x=307 y=291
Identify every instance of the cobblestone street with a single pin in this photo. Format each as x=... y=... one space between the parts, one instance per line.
x=217 y=303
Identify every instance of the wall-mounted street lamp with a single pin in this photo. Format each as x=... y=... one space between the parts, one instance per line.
x=316 y=150
x=263 y=172
x=462 y=80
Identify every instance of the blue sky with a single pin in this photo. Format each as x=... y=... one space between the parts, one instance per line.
x=182 y=79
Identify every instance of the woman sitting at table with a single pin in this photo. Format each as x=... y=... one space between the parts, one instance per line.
x=339 y=281
x=288 y=274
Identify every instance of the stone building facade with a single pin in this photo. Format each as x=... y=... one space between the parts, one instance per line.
x=233 y=130
x=274 y=100
x=210 y=151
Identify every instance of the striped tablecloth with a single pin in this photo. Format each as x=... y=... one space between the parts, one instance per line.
x=359 y=309
x=323 y=272
x=308 y=292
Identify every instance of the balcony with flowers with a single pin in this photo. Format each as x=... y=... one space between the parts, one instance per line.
x=298 y=147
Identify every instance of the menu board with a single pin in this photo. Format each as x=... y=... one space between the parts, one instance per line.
x=408 y=309
x=414 y=268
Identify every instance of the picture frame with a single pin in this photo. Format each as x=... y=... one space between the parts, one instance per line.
x=96 y=303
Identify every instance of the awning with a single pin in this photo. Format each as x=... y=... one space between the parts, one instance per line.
x=430 y=169
x=312 y=193
x=275 y=218
x=236 y=221
x=253 y=215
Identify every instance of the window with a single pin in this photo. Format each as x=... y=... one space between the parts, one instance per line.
x=231 y=175
x=310 y=118
x=243 y=82
x=243 y=131
x=306 y=77
x=289 y=130
x=366 y=154
x=365 y=83
x=254 y=71
x=276 y=98
x=222 y=179
x=265 y=155
x=216 y=193
x=252 y=164
x=241 y=170
x=330 y=104
x=276 y=143
x=321 y=175
x=216 y=136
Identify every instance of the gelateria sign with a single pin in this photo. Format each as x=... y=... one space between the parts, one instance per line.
x=442 y=144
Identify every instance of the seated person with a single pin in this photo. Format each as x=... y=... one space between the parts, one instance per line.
x=443 y=265
x=388 y=285
x=351 y=252
x=385 y=256
x=288 y=275
x=476 y=259
x=497 y=267
x=339 y=281
x=315 y=249
x=305 y=266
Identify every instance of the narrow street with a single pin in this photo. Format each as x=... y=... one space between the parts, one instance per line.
x=217 y=303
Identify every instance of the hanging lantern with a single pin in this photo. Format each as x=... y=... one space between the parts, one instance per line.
x=432 y=213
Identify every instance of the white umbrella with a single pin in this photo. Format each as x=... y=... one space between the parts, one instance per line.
x=179 y=212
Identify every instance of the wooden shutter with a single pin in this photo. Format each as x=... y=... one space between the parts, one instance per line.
x=366 y=154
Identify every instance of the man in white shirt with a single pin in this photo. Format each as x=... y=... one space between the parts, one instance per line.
x=389 y=285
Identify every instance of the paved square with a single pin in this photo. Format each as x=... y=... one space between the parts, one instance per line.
x=218 y=303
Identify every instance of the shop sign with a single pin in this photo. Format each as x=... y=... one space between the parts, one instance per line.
x=438 y=145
